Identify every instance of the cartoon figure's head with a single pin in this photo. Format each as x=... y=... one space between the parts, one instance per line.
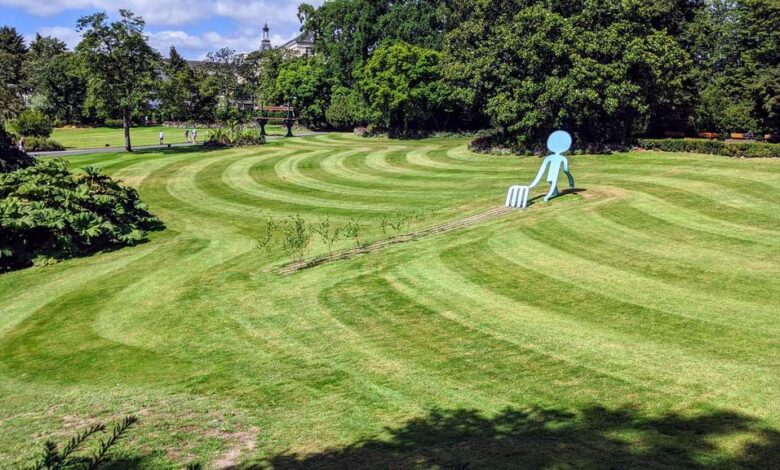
x=559 y=142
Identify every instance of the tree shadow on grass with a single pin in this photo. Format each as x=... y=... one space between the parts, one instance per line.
x=594 y=437
x=178 y=150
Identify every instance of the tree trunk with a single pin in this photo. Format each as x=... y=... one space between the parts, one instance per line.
x=126 y=126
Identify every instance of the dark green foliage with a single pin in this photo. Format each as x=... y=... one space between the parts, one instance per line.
x=42 y=144
x=592 y=68
x=119 y=65
x=304 y=83
x=404 y=87
x=740 y=66
x=179 y=92
x=32 y=123
x=47 y=211
x=12 y=54
x=53 y=458
x=224 y=67
x=54 y=79
x=346 y=110
x=347 y=31
x=713 y=147
x=11 y=158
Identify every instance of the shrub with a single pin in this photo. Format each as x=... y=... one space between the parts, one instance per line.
x=346 y=109
x=502 y=143
x=42 y=144
x=114 y=123
x=235 y=135
x=297 y=235
x=713 y=147
x=46 y=211
x=31 y=123
x=11 y=159
x=329 y=234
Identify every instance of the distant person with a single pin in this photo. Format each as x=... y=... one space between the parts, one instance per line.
x=21 y=145
x=162 y=137
x=187 y=135
x=195 y=135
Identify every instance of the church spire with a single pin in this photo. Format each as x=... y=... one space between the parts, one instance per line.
x=266 y=44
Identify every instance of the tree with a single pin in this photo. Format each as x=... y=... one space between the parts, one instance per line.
x=54 y=78
x=738 y=73
x=347 y=31
x=590 y=67
x=759 y=37
x=12 y=55
x=225 y=66
x=261 y=69
x=32 y=123
x=207 y=100
x=118 y=64
x=179 y=91
x=346 y=109
x=304 y=83
x=404 y=88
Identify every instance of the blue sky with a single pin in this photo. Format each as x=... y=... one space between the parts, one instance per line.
x=193 y=26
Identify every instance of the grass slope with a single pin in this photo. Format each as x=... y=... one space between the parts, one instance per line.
x=98 y=137
x=632 y=324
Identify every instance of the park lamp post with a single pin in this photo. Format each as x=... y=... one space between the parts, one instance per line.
x=289 y=121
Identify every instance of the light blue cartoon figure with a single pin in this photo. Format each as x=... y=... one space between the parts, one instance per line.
x=559 y=142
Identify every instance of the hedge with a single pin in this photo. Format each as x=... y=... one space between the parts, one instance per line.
x=42 y=144
x=713 y=147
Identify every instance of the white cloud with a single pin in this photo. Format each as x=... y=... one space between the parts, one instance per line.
x=194 y=46
x=158 y=12
x=172 y=23
x=69 y=35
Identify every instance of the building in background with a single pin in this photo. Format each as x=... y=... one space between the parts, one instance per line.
x=302 y=45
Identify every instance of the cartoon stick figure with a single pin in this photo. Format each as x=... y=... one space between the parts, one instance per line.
x=559 y=142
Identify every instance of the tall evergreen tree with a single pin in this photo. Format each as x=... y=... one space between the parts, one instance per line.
x=12 y=55
x=179 y=90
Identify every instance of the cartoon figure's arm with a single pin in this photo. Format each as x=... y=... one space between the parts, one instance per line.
x=539 y=175
x=566 y=170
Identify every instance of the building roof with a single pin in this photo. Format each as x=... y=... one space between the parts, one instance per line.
x=303 y=38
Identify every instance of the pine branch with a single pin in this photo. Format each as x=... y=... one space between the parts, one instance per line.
x=118 y=432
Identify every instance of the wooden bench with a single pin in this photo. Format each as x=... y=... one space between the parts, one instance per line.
x=265 y=118
x=708 y=135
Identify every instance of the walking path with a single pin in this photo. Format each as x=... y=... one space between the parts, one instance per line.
x=65 y=153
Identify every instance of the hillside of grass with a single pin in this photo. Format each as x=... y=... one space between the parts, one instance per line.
x=630 y=324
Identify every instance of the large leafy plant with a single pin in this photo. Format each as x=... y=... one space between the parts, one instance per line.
x=48 y=212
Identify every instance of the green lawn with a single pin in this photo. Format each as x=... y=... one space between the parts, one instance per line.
x=633 y=324
x=98 y=137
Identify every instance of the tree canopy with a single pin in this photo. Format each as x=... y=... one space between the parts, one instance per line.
x=119 y=65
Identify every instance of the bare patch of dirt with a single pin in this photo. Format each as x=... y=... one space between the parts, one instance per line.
x=243 y=441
